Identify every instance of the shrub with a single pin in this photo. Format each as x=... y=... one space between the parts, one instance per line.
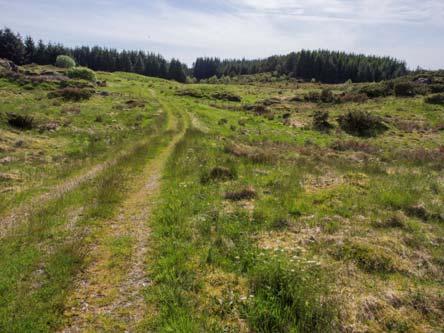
x=247 y=193
x=227 y=96
x=435 y=99
x=436 y=88
x=20 y=122
x=72 y=94
x=404 y=89
x=361 y=123
x=64 y=61
x=375 y=90
x=320 y=120
x=312 y=96
x=82 y=73
x=353 y=98
x=327 y=96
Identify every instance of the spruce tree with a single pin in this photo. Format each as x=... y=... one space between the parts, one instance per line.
x=11 y=46
x=30 y=50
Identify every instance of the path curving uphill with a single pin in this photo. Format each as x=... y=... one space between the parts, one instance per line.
x=108 y=295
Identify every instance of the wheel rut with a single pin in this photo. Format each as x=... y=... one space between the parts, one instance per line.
x=108 y=296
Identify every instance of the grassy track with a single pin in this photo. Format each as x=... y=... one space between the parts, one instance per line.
x=109 y=294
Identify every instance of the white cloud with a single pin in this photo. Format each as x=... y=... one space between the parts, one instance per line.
x=250 y=28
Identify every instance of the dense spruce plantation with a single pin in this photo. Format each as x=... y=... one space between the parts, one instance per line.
x=324 y=66
x=266 y=202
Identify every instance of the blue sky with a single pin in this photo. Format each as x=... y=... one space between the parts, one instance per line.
x=411 y=30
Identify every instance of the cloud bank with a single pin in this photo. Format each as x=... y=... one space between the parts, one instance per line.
x=406 y=29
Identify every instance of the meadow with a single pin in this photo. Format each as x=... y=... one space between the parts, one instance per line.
x=276 y=206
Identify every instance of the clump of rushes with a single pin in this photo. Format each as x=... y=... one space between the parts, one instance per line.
x=219 y=174
x=290 y=298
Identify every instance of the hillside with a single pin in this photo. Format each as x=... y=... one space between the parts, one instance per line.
x=138 y=204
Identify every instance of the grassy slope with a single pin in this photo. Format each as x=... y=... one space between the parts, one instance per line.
x=42 y=256
x=330 y=243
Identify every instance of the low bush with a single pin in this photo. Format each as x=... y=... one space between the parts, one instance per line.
x=327 y=96
x=219 y=174
x=375 y=90
x=435 y=99
x=361 y=123
x=352 y=98
x=82 y=73
x=247 y=193
x=64 y=61
x=22 y=122
x=72 y=94
x=227 y=96
x=191 y=93
x=404 y=89
x=436 y=88
x=320 y=120
x=135 y=104
x=313 y=96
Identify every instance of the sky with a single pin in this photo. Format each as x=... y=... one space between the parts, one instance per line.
x=410 y=30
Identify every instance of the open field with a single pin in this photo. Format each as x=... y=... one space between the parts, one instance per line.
x=153 y=206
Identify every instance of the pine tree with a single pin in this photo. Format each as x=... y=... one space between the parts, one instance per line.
x=139 y=66
x=30 y=50
x=11 y=46
x=176 y=71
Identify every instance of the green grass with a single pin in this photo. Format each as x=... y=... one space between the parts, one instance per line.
x=336 y=239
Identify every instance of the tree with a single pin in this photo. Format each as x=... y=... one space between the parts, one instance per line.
x=139 y=66
x=176 y=71
x=11 y=46
x=41 y=56
x=30 y=50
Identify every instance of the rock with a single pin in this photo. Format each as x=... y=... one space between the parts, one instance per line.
x=423 y=80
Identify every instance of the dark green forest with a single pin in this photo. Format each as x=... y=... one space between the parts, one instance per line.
x=320 y=65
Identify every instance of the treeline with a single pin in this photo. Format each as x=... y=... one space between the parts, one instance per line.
x=26 y=51
x=321 y=65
